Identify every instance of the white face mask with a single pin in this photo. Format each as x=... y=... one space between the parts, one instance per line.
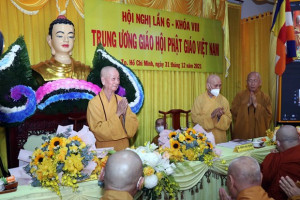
x=160 y=129
x=215 y=92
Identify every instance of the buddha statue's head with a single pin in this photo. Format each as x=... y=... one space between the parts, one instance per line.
x=61 y=37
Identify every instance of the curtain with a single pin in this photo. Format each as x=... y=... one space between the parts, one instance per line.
x=255 y=52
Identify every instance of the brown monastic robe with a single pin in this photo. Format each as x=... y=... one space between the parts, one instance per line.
x=276 y=165
x=250 y=122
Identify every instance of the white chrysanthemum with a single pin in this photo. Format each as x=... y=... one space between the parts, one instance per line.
x=151 y=181
x=151 y=159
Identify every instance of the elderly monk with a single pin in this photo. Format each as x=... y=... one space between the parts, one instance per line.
x=123 y=176
x=244 y=180
x=109 y=116
x=251 y=110
x=61 y=41
x=211 y=110
x=286 y=162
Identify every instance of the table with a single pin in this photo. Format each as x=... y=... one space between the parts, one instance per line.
x=196 y=180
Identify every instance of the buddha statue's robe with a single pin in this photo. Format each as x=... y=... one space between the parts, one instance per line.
x=250 y=122
x=109 y=129
x=201 y=114
x=52 y=70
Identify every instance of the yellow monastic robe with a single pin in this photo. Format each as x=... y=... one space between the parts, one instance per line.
x=109 y=131
x=52 y=70
x=116 y=195
x=253 y=193
x=201 y=114
x=250 y=122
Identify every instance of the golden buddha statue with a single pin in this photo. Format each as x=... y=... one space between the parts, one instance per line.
x=61 y=41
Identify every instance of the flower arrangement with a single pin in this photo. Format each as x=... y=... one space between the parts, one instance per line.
x=61 y=161
x=271 y=136
x=189 y=145
x=157 y=172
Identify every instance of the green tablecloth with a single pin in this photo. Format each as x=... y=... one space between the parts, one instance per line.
x=196 y=180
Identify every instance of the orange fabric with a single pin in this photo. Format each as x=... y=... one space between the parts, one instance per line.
x=253 y=193
x=276 y=165
x=116 y=195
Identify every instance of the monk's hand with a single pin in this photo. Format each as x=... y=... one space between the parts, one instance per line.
x=220 y=113
x=122 y=107
x=250 y=100
x=289 y=186
x=223 y=194
x=215 y=113
x=253 y=98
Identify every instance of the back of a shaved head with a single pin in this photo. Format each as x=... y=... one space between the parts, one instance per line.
x=288 y=136
x=122 y=171
x=245 y=171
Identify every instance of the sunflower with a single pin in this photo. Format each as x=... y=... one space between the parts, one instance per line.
x=190 y=130
x=210 y=145
x=189 y=138
x=55 y=142
x=172 y=134
x=202 y=137
x=174 y=144
x=39 y=158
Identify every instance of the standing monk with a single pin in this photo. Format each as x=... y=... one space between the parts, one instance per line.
x=251 y=110
x=109 y=116
x=211 y=110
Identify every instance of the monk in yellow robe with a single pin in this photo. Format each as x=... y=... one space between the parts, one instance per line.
x=109 y=116
x=251 y=110
x=244 y=181
x=61 y=65
x=211 y=110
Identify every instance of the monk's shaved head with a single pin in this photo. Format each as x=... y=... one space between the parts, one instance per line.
x=122 y=171
x=287 y=137
x=213 y=82
x=212 y=78
x=245 y=169
x=243 y=172
x=105 y=71
x=254 y=74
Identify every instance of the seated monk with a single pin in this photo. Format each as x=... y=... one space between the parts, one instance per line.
x=244 y=181
x=286 y=162
x=61 y=65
